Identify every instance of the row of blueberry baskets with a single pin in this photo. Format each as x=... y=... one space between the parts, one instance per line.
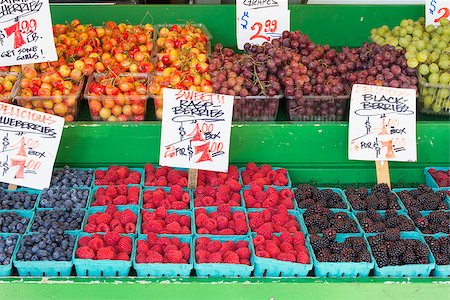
x=256 y=266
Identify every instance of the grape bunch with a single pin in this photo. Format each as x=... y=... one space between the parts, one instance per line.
x=428 y=50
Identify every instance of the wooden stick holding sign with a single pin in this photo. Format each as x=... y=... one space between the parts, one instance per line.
x=192 y=178
x=382 y=127
x=12 y=187
x=383 y=175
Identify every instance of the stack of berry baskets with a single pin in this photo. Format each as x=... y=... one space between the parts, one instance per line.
x=354 y=260
x=117 y=98
x=9 y=85
x=164 y=255
x=223 y=256
x=438 y=244
x=385 y=268
x=9 y=245
x=437 y=177
x=264 y=175
x=37 y=254
x=120 y=195
x=49 y=92
x=169 y=222
x=175 y=69
x=358 y=199
x=117 y=175
x=104 y=254
x=341 y=204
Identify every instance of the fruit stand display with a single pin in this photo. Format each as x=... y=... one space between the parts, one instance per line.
x=302 y=222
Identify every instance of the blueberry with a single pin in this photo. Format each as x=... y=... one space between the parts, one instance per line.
x=72 y=177
x=7 y=246
x=44 y=247
x=17 y=200
x=55 y=222
x=12 y=222
x=64 y=198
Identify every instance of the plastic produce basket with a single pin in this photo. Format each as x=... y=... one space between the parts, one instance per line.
x=439 y=270
x=292 y=212
x=84 y=186
x=43 y=268
x=223 y=269
x=5 y=270
x=434 y=98
x=157 y=28
x=350 y=215
x=8 y=98
x=69 y=231
x=343 y=269
x=400 y=203
x=256 y=108
x=68 y=104
x=38 y=206
x=158 y=167
x=429 y=180
x=97 y=268
x=336 y=190
x=269 y=267
x=278 y=188
x=29 y=214
x=178 y=212
x=167 y=270
x=426 y=213
x=397 y=190
x=28 y=191
x=167 y=189
x=211 y=209
x=133 y=208
x=289 y=185
x=318 y=108
x=412 y=270
x=140 y=170
x=117 y=107
x=96 y=187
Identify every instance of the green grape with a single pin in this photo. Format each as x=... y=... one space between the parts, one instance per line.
x=433 y=78
x=404 y=23
x=434 y=41
x=440 y=30
x=444 y=21
x=410 y=54
x=392 y=42
x=403 y=32
x=447 y=30
x=444 y=78
x=444 y=64
x=373 y=31
x=445 y=38
x=442 y=45
x=429 y=28
x=430 y=48
x=411 y=48
x=427 y=101
x=423 y=69
x=422 y=56
x=409 y=29
x=417 y=33
x=422 y=20
x=412 y=63
x=431 y=91
x=420 y=45
x=443 y=93
x=403 y=42
x=434 y=56
x=436 y=107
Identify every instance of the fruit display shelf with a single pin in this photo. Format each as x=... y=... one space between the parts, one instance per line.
x=312 y=152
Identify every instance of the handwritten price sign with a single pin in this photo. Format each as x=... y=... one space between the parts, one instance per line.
x=382 y=124
x=29 y=142
x=436 y=10
x=26 y=34
x=195 y=130
x=261 y=21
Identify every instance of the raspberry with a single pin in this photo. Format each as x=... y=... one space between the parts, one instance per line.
x=243 y=252
x=122 y=256
x=111 y=191
x=83 y=241
x=173 y=228
x=286 y=237
x=128 y=216
x=234 y=185
x=130 y=228
x=176 y=191
x=214 y=246
x=154 y=257
x=272 y=249
x=215 y=258
x=265 y=230
x=141 y=247
x=96 y=243
x=124 y=245
x=102 y=218
x=110 y=209
x=111 y=238
x=232 y=258
x=173 y=256
x=258 y=240
x=105 y=253
x=210 y=224
x=85 y=252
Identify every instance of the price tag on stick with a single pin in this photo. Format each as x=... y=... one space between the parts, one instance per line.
x=260 y=22
x=26 y=34
x=29 y=144
x=435 y=10
x=382 y=126
x=195 y=131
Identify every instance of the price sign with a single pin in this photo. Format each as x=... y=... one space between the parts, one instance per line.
x=261 y=21
x=29 y=144
x=435 y=10
x=26 y=34
x=195 y=131
x=382 y=124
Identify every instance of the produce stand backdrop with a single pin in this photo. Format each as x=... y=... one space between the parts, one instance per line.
x=312 y=151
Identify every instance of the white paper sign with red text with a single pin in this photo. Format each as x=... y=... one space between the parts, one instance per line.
x=26 y=34
x=196 y=129
x=382 y=124
x=29 y=142
x=436 y=10
x=261 y=21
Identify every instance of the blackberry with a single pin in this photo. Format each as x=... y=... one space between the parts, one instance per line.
x=364 y=257
x=17 y=200
x=381 y=188
x=440 y=248
x=12 y=222
x=307 y=196
x=330 y=234
x=397 y=248
x=319 y=242
x=409 y=258
x=352 y=249
x=392 y=234
x=381 y=198
x=317 y=221
x=347 y=255
x=434 y=222
x=423 y=198
x=394 y=261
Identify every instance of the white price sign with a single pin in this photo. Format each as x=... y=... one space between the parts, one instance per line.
x=436 y=10
x=382 y=124
x=196 y=130
x=29 y=144
x=26 y=34
x=261 y=21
